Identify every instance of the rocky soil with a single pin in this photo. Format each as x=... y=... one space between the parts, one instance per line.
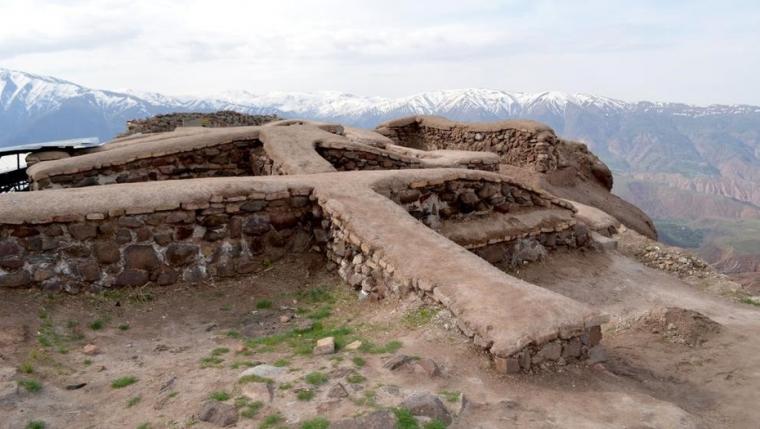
x=292 y=347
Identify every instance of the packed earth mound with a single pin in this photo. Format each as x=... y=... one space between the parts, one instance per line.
x=226 y=247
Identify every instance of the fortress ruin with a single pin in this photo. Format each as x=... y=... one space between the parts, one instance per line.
x=420 y=205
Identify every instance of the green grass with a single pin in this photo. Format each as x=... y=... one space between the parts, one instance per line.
x=419 y=317
x=87 y=362
x=219 y=395
x=211 y=362
x=450 y=395
x=305 y=395
x=389 y=347
x=405 y=420
x=316 y=423
x=51 y=336
x=219 y=351
x=144 y=426
x=316 y=378
x=26 y=368
x=133 y=401
x=251 y=409
x=97 y=325
x=358 y=361
x=123 y=382
x=36 y=424
x=271 y=421
x=281 y=363
x=355 y=378
x=234 y=334
x=242 y=363
x=263 y=304
x=750 y=301
x=302 y=342
x=286 y=386
x=316 y=295
x=253 y=378
x=435 y=424
x=124 y=327
x=30 y=385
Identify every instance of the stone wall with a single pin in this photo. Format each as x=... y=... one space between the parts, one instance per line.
x=519 y=147
x=355 y=159
x=168 y=122
x=240 y=158
x=223 y=238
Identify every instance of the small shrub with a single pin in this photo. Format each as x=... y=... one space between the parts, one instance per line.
x=30 y=385
x=26 y=368
x=282 y=363
x=419 y=317
x=219 y=351
x=286 y=386
x=144 y=426
x=133 y=401
x=316 y=378
x=305 y=395
x=233 y=334
x=211 y=361
x=358 y=361
x=355 y=378
x=219 y=395
x=405 y=419
x=263 y=304
x=123 y=382
x=251 y=409
x=435 y=424
x=124 y=327
x=87 y=362
x=389 y=347
x=450 y=395
x=35 y=424
x=253 y=378
x=316 y=423
x=271 y=420
x=97 y=325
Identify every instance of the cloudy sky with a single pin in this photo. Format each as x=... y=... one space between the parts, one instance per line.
x=692 y=51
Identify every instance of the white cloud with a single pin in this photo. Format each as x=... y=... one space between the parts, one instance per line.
x=689 y=51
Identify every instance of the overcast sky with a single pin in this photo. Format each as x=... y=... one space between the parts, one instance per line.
x=692 y=51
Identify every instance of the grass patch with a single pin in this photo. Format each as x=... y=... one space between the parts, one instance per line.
x=87 y=362
x=316 y=378
x=97 y=324
x=358 y=361
x=316 y=423
x=271 y=421
x=233 y=334
x=750 y=301
x=133 y=401
x=123 y=382
x=405 y=419
x=435 y=424
x=281 y=363
x=30 y=385
x=26 y=368
x=450 y=395
x=305 y=395
x=211 y=362
x=247 y=408
x=51 y=336
x=369 y=399
x=355 y=378
x=286 y=386
x=124 y=327
x=389 y=347
x=302 y=342
x=144 y=426
x=36 y=424
x=219 y=395
x=419 y=317
x=219 y=351
x=242 y=363
x=316 y=295
x=263 y=304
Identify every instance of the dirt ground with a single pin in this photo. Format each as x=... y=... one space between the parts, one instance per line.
x=172 y=348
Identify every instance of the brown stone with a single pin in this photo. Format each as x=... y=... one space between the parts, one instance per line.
x=253 y=206
x=143 y=234
x=183 y=233
x=123 y=236
x=214 y=220
x=89 y=271
x=257 y=225
x=180 y=217
x=106 y=252
x=409 y=196
x=141 y=257
x=571 y=348
x=163 y=238
x=235 y=227
x=130 y=222
x=77 y=250
x=10 y=248
x=54 y=230
x=166 y=277
x=131 y=277
x=24 y=231
x=17 y=279
x=180 y=254
x=83 y=231
x=593 y=337
x=42 y=274
x=283 y=219
x=11 y=264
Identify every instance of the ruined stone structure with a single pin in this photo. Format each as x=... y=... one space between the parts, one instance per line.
x=395 y=219
x=169 y=122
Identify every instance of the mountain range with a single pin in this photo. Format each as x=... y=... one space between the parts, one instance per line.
x=694 y=169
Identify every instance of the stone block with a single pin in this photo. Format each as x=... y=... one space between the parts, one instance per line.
x=141 y=257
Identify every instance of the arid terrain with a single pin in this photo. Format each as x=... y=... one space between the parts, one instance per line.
x=160 y=353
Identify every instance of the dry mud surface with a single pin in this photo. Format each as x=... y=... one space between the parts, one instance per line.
x=181 y=344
